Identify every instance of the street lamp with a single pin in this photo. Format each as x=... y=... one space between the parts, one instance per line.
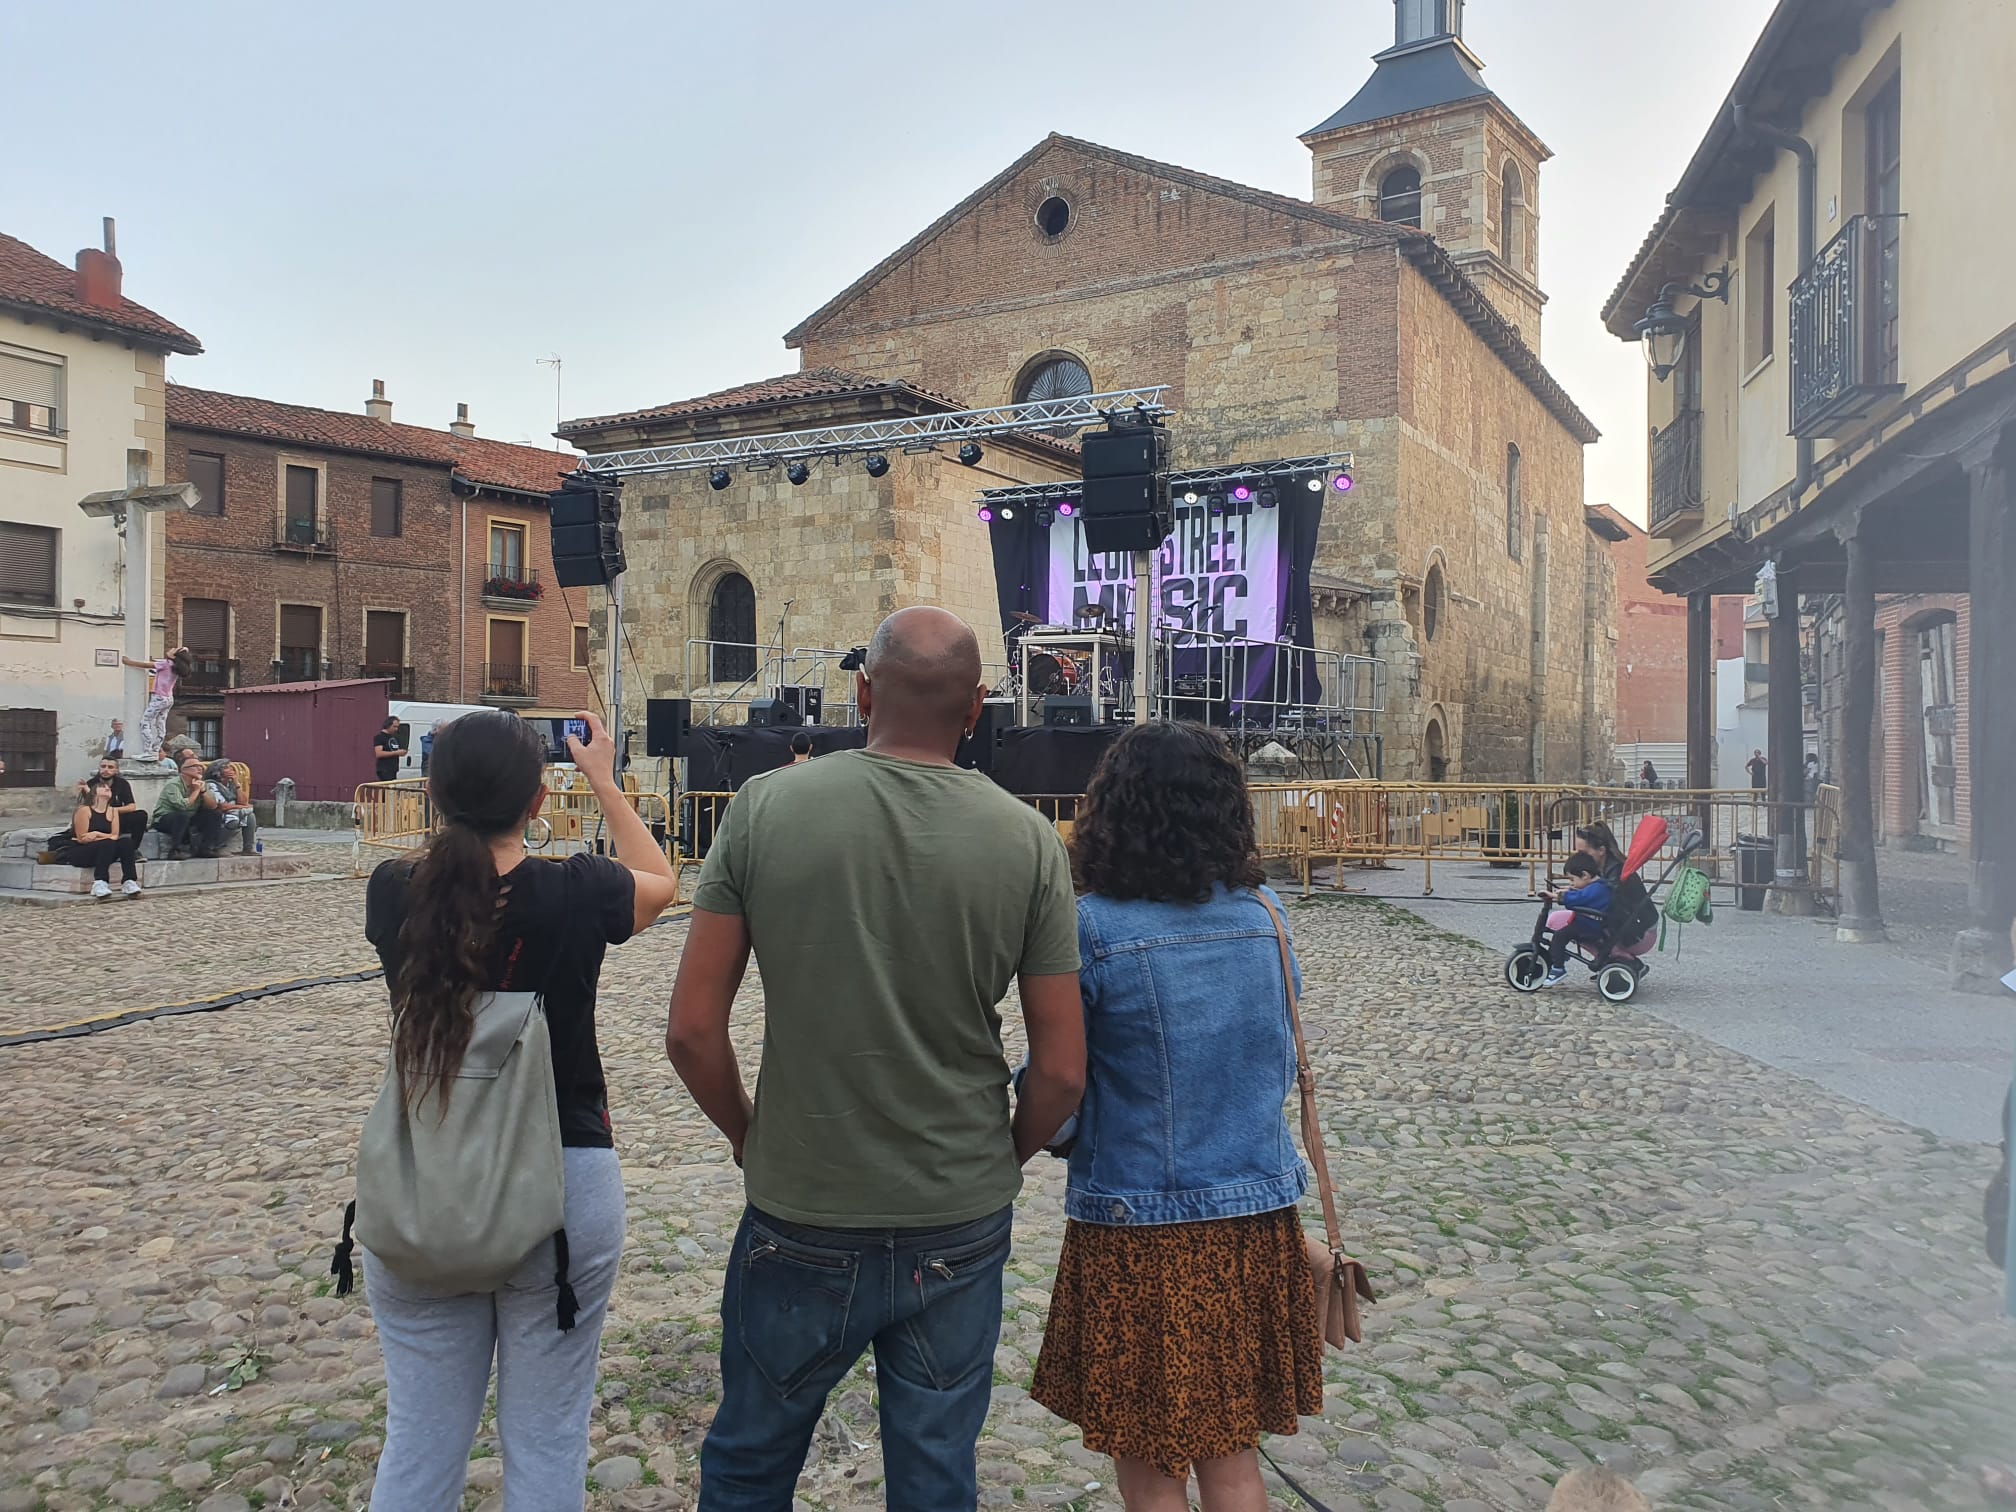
x=1665 y=333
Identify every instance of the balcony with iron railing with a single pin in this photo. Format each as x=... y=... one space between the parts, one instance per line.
x=507 y=585
x=310 y=536
x=211 y=672
x=1844 y=326
x=300 y=664
x=1676 y=475
x=507 y=683
x=403 y=679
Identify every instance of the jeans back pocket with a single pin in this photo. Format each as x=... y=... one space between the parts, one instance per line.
x=958 y=1325
x=792 y=1304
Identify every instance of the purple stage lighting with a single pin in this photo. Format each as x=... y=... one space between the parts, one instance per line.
x=1066 y=508
x=1343 y=483
x=1242 y=493
x=986 y=515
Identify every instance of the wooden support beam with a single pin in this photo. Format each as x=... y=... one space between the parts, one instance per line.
x=1700 y=692
x=1786 y=714
x=1860 y=920
x=1981 y=954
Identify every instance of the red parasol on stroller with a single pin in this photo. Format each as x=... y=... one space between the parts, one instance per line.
x=1651 y=833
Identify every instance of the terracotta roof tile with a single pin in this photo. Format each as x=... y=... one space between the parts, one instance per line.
x=31 y=280
x=813 y=383
x=496 y=464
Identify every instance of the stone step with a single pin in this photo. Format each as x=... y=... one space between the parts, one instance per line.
x=29 y=875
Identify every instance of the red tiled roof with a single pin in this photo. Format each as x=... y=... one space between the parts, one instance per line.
x=813 y=383
x=495 y=464
x=503 y=464
x=36 y=282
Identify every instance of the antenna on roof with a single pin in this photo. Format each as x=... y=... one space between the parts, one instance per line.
x=554 y=363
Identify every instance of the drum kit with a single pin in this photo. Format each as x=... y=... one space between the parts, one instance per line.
x=1059 y=660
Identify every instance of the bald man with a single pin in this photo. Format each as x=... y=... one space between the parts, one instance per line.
x=890 y=897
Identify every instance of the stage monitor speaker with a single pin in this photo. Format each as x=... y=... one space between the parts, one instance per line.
x=1068 y=711
x=764 y=713
x=667 y=723
x=806 y=703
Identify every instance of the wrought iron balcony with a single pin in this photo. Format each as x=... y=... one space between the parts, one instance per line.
x=1676 y=474
x=507 y=683
x=508 y=583
x=1844 y=318
x=300 y=664
x=403 y=679
x=212 y=672
x=303 y=535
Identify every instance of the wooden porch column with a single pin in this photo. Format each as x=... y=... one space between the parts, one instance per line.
x=1981 y=953
x=1700 y=690
x=1787 y=754
x=1861 y=918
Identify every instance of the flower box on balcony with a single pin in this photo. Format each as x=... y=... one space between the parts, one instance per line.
x=511 y=588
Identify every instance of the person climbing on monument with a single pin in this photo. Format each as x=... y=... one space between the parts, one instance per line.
x=168 y=671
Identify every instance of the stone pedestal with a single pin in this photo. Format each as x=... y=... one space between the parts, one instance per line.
x=147 y=779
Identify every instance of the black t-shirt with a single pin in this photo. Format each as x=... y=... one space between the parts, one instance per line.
x=557 y=919
x=388 y=766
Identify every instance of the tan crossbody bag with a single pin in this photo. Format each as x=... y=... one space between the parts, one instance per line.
x=1340 y=1281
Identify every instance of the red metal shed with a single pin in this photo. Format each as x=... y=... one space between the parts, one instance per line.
x=318 y=733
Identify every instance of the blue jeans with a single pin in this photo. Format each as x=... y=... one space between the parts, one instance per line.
x=800 y=1306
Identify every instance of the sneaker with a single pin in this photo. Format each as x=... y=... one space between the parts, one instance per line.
x=1555 y=977
x=130 y=888
x=101 y=889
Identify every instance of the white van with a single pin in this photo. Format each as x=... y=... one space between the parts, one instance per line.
x=421 y=720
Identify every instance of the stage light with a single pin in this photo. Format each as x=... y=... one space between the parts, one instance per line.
x=1066 y=508
x=1215 y=503
x=1044 y=518
x=1241 y=494
x=1315 y=485
x=986 y=515
x=1343 y=483
x=1190 y=496
x=797 y=472
x=970 y=454
x=1007 y=511
x=877 y=464
x=1267 y=498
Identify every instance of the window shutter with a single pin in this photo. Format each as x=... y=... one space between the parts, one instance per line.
x=300 y=627
x=301 y=493
x=384 y=639
x=507 y=644
x=385 y=507
x=206 y=471
x=27 y=564
x=30 y=381
x=206 y=625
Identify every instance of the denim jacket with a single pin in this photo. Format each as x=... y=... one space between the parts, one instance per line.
x=1191 y=1061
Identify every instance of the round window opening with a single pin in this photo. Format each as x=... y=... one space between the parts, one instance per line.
x=1053 y=216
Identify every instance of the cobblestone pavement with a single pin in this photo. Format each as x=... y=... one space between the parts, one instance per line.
x=1597 y=1237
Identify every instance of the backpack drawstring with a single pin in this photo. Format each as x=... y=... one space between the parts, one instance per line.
x=340 y=1267
x=568 y=1305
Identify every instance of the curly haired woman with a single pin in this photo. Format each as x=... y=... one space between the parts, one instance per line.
x=1183 y=1321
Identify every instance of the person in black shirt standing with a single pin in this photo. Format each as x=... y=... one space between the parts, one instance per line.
x=389 y=747
x=1760 y=771
x=132 y=817
x=472 y=913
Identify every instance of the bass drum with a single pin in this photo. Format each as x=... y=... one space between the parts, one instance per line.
x=1051 y=674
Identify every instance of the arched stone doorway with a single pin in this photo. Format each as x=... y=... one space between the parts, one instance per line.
x=1437 y=747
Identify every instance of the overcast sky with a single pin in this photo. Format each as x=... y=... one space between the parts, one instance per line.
x=440 y=195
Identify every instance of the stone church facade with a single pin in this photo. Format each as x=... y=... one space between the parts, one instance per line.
x=1283 y=327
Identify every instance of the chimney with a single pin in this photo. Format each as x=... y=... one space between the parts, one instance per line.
x=462 y=425
x=378 y=407
x=98 y=272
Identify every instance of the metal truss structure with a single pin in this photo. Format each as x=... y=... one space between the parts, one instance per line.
x=913 y=433
x=1199 y=480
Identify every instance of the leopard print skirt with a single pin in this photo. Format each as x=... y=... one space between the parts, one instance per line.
x=1184 y=1341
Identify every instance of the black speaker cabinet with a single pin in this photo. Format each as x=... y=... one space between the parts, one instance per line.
x=1068 y=711
x=667 y=723
x=977 y=751
x=765 y=713
x=806 y=703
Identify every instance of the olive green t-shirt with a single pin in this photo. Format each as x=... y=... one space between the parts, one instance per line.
x=890 y=904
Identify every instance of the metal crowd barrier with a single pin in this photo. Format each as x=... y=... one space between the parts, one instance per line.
x=393 y=817
x=1726 y=818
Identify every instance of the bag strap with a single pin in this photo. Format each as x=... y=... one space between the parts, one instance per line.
x=1305 y=1079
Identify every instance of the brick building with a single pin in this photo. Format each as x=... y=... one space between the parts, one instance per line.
x=1651 y=658
x=1282 y=327
x=333 y=545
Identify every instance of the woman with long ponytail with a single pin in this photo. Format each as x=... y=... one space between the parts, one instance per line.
x=473 y=914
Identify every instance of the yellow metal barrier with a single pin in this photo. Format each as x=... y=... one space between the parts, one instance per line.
x=392 y=817
x=699 y=817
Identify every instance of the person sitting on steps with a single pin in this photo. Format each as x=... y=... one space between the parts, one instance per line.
x=132 y=817
x=95 y=842
x=236 y=808
x=189 y=818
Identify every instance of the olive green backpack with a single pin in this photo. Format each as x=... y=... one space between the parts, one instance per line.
x=1687 y=902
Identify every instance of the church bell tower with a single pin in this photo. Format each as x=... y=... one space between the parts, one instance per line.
x=1426 y=143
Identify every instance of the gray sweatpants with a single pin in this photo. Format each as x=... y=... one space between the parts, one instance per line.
x=438 y=1348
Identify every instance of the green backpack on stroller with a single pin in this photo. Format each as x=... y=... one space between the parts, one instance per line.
x=1687 y=902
